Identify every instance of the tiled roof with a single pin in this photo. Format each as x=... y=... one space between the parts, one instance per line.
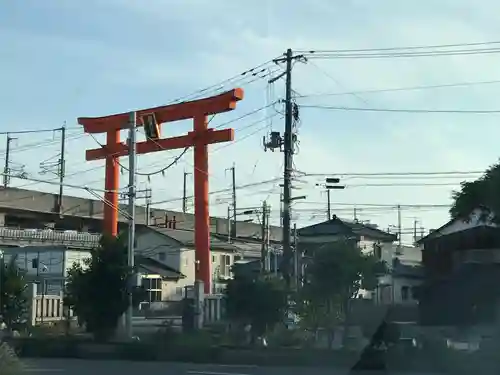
x=186 y=238
x=337 y=226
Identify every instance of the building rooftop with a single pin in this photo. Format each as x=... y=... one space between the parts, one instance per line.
x=336 y=226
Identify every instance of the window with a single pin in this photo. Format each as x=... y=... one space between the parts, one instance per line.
x=213 y=258
x=415 y=292
x=404 y=293
x=162 y=256
x=153 y=285
x=155 y=295
x=225 y=264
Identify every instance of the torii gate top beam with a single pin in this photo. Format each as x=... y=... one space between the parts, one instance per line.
x=172 y=112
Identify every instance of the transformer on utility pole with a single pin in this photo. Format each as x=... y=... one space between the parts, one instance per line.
x=286 y=144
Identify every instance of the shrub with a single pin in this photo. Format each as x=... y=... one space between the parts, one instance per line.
x=9 y=363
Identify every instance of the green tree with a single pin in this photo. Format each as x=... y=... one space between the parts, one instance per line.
x=334 y=275
x=260 y=301
x=13 y=296
x=479 y=194
x=97 y=290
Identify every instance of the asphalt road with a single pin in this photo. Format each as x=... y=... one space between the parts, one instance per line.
x=86 y=367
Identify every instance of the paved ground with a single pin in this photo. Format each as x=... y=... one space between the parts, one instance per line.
x=86 y=367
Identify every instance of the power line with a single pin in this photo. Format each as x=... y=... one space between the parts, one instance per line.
x=397 y=89
x=32 y=131
x=402 y=54
x=416 y=205
x=245 y=186
x=400 y=110
x=403 y=48
x=406 y=173
x=82 y=187
x=401 y=184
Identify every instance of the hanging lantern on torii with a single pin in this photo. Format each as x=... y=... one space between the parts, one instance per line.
x=201 y=136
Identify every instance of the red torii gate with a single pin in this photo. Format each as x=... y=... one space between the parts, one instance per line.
x=200 y=138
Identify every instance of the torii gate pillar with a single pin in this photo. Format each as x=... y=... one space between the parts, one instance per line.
x=200 y=138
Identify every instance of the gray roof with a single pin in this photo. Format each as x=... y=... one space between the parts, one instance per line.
x=155 y=267
x=337 y=226
x=186 y=237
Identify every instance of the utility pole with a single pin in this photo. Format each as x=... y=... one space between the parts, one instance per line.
x=229 y=223
x=148 y=196
x=131 y=221
x=399 y=225
x=184 y=192
x=233 y=179
x=355 y=214
x=297 y=258
x=2 y=270
x=415 y=221
x=62 y=170
x=264 y=253
x=328 y=205
x=281 y=208
x=6 y=169
x=288 y=166
x=286 y=144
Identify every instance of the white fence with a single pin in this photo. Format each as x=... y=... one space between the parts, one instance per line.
x=49 y=308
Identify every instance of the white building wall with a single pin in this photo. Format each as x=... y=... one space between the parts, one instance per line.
x=75 y=257
x=181 y=258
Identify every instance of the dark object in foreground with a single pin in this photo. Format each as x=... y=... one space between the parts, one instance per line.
x=372 y=358
x=374 y=355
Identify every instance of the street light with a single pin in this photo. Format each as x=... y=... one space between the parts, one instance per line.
x=328 y=186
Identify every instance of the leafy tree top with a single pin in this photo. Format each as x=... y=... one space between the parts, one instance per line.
x=341 y=269
x=482 y=194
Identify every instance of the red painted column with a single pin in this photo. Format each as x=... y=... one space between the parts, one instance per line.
x=201 y=209
x=111 y=184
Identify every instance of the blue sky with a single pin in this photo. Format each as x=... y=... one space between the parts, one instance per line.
x=65 y=59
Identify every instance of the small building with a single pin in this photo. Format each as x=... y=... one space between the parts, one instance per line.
x=366 y=235
x=401 y=285
x=176 y=249
x=48 y=266
x=369 y=238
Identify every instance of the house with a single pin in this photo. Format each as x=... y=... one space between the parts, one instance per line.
x=176 y=248
x=401 y=284
x=48 y=266
x=367 y=235
x=461 y=261
x=369 y=238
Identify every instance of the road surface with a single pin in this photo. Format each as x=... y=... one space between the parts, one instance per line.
x=88 y=367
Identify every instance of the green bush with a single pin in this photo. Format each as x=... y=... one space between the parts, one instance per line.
x=284 y=337
x=9 y=363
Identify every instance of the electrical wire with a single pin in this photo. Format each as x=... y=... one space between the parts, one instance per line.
x=392 y=55
x=400 y=110
x=252 y=184
x=432 y=46
x=406 y=173
x=83 y=187
x=397 y=89
x=220 y=85
x=32 y=131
